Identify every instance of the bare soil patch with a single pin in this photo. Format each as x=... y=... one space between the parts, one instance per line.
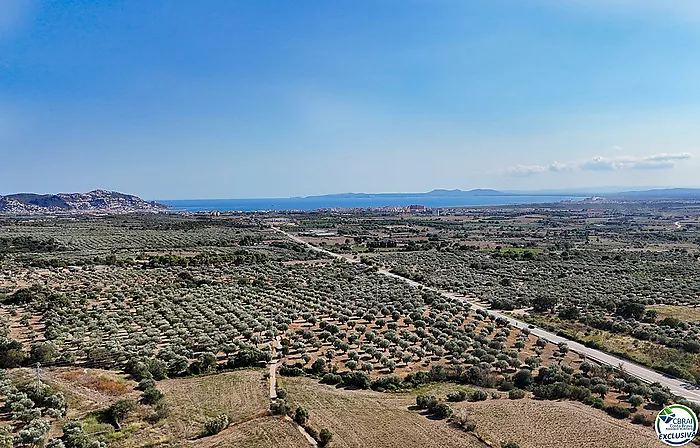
x=555 y=424
x=265 y=432
x=193 y=401
x=371 y=419
x=684 y=313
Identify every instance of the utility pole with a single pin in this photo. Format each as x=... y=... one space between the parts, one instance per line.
x=38 y=379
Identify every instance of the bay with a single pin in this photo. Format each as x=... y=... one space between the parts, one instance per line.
x=321 y=202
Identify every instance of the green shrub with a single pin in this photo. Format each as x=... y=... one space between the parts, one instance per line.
x=516 y=394
x=120 y=410
x=458 y=395
x=151 y=396
x=278 y=407
x=636 y=400
x=146 y=383
x=301 y=416
x=425 y=401
x=217 y=424
x=523 y=379
x=618 y=411
x=478 y=395
x=442 y=410
x=331 y=378
x=325 y=437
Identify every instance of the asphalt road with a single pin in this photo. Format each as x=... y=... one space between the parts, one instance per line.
x=677 y=386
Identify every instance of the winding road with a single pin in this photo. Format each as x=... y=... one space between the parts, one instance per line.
x=677 y=386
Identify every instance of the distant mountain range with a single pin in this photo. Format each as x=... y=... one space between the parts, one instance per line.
x=431 y=194
x=103 y=201
x=93 y=201
x=650 y=194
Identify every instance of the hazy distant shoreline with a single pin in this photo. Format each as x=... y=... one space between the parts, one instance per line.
x=342 y=202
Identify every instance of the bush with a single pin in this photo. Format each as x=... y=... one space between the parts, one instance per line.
x=245 y=358
x=579 y=393
x=11 y=354
x=278 y=407
x=523 y=379
x=595 y=402
x=510 y=444
x=301 y=416
x=331 y=378
x=151 y=396
x=459 y=395
x=660 y=397
x=52 y=443
x=478 y=395
x=552 y=391
x=516 y=394
x=636 y=400
x=618 y=411
x=640 y=419
x=325 y=437
x=425 y=401
x=43 y=352
x=506 y=385
x=383 y=383
x=217 y=424
x=417 y=379
x=442 y=410
x=318 y=366
x=120 y=410
x=34 y=432
x=357 y=379
x=157 y=369
x=146 y=383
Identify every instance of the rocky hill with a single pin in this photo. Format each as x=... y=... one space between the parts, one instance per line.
x=96 y=201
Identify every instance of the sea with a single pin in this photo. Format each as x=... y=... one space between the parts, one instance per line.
x=320 y=202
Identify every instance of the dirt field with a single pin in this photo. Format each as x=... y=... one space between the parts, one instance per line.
x=555 y=424
x=684 y=313
x=241 y=395
x=265 y=432
x=371 y=419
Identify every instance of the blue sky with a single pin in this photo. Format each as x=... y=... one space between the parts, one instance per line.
x=224 y=99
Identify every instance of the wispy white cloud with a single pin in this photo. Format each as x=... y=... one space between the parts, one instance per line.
x=601 y=163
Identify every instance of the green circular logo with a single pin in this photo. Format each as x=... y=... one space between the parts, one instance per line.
x=676 y=425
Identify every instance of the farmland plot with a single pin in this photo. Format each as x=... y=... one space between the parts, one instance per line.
x=265 y=432
x=555 y=424
x=193 y=401
x=371 y=419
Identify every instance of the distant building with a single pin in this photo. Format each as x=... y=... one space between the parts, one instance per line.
x=417 y=208
x=318 y=233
